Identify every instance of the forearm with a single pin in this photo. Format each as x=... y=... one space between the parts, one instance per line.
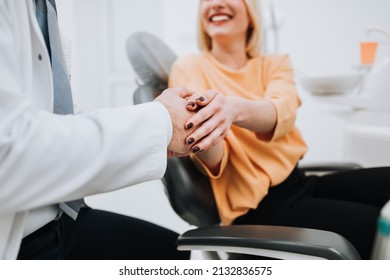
x=218 y=113
x=256 y=115
x=212 y=157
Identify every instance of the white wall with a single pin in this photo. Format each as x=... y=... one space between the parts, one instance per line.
x=322 y=37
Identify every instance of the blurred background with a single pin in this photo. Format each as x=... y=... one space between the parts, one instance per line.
x=322 y=37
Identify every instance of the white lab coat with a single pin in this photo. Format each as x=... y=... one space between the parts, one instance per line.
x=46 y=158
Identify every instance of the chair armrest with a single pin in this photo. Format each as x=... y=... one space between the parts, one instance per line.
x=269 y=241
x=329 y=166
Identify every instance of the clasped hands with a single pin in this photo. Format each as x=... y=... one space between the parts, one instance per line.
x=199 y=120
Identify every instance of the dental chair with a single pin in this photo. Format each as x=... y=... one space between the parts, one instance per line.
x=190 y=195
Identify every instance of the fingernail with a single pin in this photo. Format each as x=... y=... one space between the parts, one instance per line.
x=190 y=141
x=190 y=125
x=195 y=149
x=192 y=104
x=201 y=99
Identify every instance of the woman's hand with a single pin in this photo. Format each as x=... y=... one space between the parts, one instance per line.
x=215 y=115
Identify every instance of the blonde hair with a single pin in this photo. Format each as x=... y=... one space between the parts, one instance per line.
x=253 y=41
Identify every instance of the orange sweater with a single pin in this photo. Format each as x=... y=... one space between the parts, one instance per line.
x=252 y=162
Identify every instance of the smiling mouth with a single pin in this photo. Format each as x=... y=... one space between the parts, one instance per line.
x=220 y=18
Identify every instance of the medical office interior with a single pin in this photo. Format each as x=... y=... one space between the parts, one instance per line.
x=345 y=115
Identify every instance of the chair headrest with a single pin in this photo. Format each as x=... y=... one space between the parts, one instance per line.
x=151 y=58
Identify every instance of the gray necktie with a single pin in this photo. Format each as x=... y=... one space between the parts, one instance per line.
x=47 y=18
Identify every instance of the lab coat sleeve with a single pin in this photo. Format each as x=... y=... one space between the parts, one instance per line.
x=46 y=158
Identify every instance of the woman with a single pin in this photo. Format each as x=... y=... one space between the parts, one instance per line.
x=251 y=119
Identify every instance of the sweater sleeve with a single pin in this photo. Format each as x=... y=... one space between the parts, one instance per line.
x=282 y=92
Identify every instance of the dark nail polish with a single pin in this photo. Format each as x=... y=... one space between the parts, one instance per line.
x=201 y=99
x=190 y=125
x=192 y=104
x=190 y=141
x=195 y=149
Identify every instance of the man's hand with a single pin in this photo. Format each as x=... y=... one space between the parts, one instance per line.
x=174 y=99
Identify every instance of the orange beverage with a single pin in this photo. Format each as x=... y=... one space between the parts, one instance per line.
x=367 y=52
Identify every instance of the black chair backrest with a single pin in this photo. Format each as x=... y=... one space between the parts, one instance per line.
x=188 y=190
x=150 y=58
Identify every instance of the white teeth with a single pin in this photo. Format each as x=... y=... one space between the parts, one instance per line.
x=219 y=18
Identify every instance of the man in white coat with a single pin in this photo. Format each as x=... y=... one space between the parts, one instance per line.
x=46 y=159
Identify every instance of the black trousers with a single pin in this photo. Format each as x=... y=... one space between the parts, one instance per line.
x=347 y=203
x=101 y=235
